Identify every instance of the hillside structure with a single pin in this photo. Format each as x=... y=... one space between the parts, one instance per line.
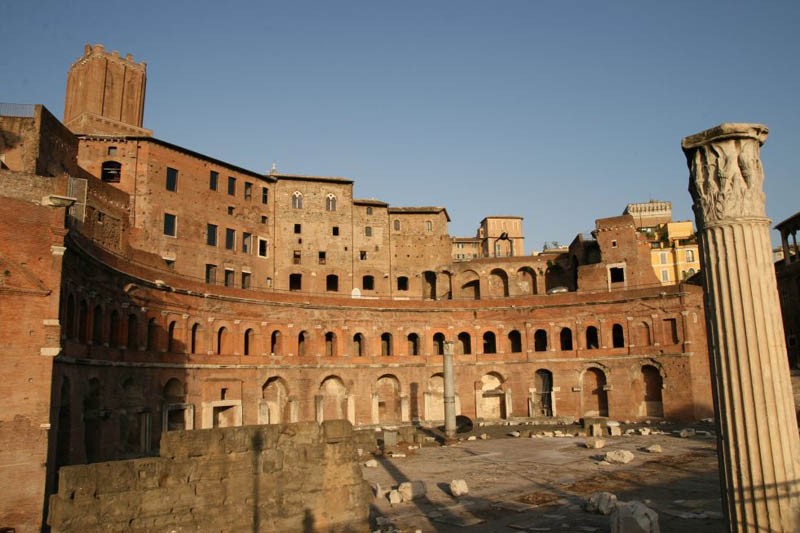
x=147 y=288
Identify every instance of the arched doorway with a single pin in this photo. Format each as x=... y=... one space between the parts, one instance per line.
x=543 y=395
x=429 y=285
x=334 y=399
x=275 y=400
x=493 y=398
x=435 y=398
x=595 y=397
x=387 y=389
x=652 y=384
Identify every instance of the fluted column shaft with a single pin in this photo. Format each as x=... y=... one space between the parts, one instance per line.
x=759 y=449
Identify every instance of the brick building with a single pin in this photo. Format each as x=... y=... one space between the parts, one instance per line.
x=285 y=298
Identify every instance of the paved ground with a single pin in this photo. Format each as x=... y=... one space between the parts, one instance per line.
x=540 y=484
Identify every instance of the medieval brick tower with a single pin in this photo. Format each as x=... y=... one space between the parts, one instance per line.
x=105 y=94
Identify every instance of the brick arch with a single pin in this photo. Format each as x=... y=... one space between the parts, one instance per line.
x=229 y=339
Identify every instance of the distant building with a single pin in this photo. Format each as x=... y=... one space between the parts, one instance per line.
x=674 y=252
x=787 y=272
x=466 y=248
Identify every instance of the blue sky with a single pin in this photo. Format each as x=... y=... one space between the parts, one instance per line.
x=561 y=112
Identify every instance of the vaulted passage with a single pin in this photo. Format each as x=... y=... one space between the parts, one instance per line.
x=387 y=390
x=595 y=397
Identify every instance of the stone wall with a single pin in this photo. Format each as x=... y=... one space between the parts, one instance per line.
x=292 y=477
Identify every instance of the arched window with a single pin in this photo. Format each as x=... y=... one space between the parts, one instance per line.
x=332 y=283
x=464 y=345
x=301 y=343
x=368 y=283
x=113 y=329
x=297 y=200
x=358 y=345
x=540 y=340
x=330 y=202
x=133 y=332
x=193 y=341
x=386 y=344
x=617 y=336
x=152 y=334
x=97 y=326
x=489 y=342
x=592 y=342
x=111 y=172
x=330 y=344
x=413 y=344
x=402 y=283
x=438 y=344
x=172 y=342
x=566 y=339
x=515 y=341
x=275 y=343
x=222 y=340
x=249 y=340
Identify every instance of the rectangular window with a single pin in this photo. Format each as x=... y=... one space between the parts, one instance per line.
x=172 y=179
x=248 y=190
x=671 y=331
x=296 y=257
x=264 y=219
x=690 y=256
x=428 y=226
x=211 y=273
x=362 y=255
x=297 y=228
x=335 y=231
x=368 y=231
x=264 y=195
x=229 y=277
x=213 y=178
x=245 y=280
x=170 y=224
x=246 y=238
x=617 y=274
x=230 y=239
x=322 y=258
x=665 y=275
x=112 y=150
x=263 y=247
x=211 y=234
x=663 y=258
x=231 y=185
x=231 y=209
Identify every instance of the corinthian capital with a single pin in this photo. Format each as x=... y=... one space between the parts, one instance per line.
x=725 y=174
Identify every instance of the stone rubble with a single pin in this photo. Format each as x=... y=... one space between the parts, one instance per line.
x=601 y=502
x=410 y=490
x=633 y=517
x=372 y=463
x=514 y=434
x=594 y=443
x=458 y=487
x=619 y=457
x=655 y=448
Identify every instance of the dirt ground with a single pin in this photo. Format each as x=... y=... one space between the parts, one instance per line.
x=540 y=484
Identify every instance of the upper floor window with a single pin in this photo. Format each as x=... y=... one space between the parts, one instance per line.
x=246 y=239
x=297 y=200
x=172 y=179
x=248 y=190
x=368 y=231
x=690 y=256
x=369 y=210
x=428 y=226
x=230 y=239
x=211 y=234
x=330 y=203
x=264 y=195
x=263 y=247
x=112 y=150
x=231 y=185
x=170 y=224
x=665 y=275
x=397 y=225
x=213 y=179
x=663 y=258
x=111 y=172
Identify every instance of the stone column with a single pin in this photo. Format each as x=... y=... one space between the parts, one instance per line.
x=759 y=450
x=449 y=392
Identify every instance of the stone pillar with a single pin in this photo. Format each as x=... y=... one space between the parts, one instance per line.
x=449 y=392
x=759 y=449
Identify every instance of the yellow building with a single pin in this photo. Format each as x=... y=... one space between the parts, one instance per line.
x=674 y=254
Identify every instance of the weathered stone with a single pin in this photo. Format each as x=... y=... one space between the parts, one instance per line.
x=654 y=448
x=472 y=437
x=484 y=436
x=410 y=490
x=395 y=497
x=594 y=443
x=458 y=487
x=372 y=463
x=619 y=457
x=633 y=517
x=615 y=431
x=688 y=432
x=514 y=434
x=596 y=430
x=601 y=502
x=644 y=431
x=390 y=438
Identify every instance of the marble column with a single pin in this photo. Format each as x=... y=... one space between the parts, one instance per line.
x=759 y=449
x=449 y=392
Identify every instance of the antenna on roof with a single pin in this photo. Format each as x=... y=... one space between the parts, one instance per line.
x=274 y=168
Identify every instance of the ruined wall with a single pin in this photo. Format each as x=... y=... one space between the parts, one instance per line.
x=292 y=477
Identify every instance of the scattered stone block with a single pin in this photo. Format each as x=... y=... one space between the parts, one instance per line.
x=634 y=517
x=601 y=502
x=514 y=434
x=596 y=430
x=458 y=487
x=594 y=443
x=472 y=437
x=655 y=448
x=395 y=497
x=612 y=424
x=630 y=431
x=484 y=436
x=644 y=431
x=615 y=431
x=547 y=433
x=393 y=455
x=558 y=433
x=410 y=490
x=390 y=438
x=372 y=463
x=619 y=457
x=688 y=432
